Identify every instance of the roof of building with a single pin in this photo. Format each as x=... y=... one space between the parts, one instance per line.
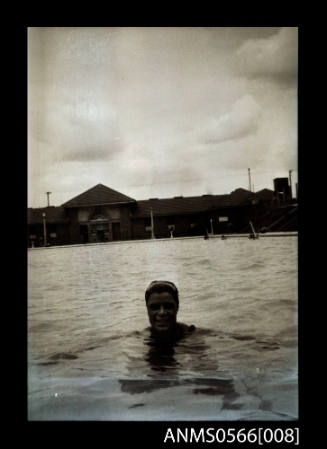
x=97 y=196
x=54 y=215
x=179 y=205
x=194 y=204
x=197 y=204
x=265 y=194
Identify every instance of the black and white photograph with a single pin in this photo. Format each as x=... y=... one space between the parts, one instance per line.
x=162 y=224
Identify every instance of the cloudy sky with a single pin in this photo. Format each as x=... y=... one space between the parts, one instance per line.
x=160 y=112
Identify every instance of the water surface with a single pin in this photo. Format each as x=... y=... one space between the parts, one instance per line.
x=89 y=353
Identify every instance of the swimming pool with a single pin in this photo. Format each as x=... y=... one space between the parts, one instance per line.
x=89 y=356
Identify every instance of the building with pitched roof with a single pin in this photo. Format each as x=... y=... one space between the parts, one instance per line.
x=102 y=214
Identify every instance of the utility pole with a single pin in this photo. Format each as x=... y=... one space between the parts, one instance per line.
x=48 y=194
x=152 y=228
x=44 y=229
x=290 y=178
x=211 y=226
x=249 y=173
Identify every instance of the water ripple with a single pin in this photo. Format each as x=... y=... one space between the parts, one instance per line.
x=88 y=320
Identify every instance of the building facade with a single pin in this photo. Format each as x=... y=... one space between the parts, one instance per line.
x=102 y=214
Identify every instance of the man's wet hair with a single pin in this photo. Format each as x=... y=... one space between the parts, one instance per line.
x=160 y=287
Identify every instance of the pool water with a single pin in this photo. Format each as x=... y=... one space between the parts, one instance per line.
x=89 y=353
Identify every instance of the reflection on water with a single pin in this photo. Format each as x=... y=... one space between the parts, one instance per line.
x=164 y=356
x=165 y=360
x=190 y=354
x=211 y=387
x=161 y=358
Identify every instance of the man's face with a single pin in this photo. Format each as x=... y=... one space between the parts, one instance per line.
x=162 y=311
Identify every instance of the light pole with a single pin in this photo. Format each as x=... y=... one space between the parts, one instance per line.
x=290 y=177
x=249 y=173
x=44 y=229
x=211 y=226
x=152 y=227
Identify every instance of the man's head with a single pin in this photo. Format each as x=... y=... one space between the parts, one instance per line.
x=162 y=303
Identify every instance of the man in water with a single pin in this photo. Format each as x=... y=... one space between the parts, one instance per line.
x=162 y=303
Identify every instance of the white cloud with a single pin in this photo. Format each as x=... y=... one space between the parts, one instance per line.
x=274 y=57
x=158 y=112
x=240 y=121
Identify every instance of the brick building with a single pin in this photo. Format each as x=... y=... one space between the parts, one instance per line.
x=98 y=215
x=102 y=214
